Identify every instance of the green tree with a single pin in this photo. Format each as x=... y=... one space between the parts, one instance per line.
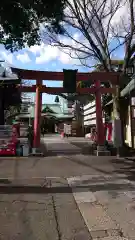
x=20 y=20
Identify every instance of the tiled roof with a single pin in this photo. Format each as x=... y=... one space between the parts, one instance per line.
x=55 y=107
x=55 y=111
x=7 y=72
x=58 y=116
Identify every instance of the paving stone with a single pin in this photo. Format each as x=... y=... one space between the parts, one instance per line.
x=63 y=200
x=111 y=238
x=37 y=206
x=32 y=216
x=9 y=198
x=114 y=233
x=31 y=182
x=58 y=182
x=85 y=180
x=95 y=217
x=130 y=194
x=99 y=234
x=70 y=221
x=124 y=215
x=82 y=197
x=19 y=223
x=118 y=198
x=81 y=235
x=43 y=224
x=104 y=197
x=6 y=168
x=96 y=183
x=35 y=198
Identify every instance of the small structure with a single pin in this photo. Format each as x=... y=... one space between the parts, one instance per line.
x=9 y=94
x=51 y=114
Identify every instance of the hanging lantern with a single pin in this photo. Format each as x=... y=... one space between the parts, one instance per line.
x=57 y=99
x=69 y=82
x=4 y=74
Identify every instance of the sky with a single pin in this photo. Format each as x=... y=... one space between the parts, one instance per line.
x=50 y=58
x=47 y=58
x=42 y=57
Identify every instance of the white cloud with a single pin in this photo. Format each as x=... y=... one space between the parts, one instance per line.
x=36 y=49
x=46 y=54
x=43 y=53
x=7 y=56
x=23 y=57
x=64 y=58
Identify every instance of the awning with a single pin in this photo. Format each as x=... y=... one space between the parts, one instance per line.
x=47 y=115
x=127 y=90
x=110 y=102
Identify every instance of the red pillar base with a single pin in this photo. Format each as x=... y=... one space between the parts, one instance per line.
x=102 y=151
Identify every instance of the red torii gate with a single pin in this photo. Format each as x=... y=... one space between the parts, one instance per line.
x=96 y=77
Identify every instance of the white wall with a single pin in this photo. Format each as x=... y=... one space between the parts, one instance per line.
x=128 y=139
x=90 y=114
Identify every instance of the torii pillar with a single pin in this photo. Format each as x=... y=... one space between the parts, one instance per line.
x=37 y=119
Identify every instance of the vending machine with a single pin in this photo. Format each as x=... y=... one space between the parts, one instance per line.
x=8 y=140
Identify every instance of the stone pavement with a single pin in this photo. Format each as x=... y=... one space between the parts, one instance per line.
x=107 y=204
x=33 y=212
x=71 y=197
x=53 y=145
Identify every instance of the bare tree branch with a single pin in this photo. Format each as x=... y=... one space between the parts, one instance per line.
x=96 y=29
x=130 y=37
x=94 y=21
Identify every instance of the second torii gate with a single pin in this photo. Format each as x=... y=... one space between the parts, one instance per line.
x=96 y=77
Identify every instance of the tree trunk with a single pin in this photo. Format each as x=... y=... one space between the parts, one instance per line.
x=116 y=104
x=118 y=131
x=79 y=118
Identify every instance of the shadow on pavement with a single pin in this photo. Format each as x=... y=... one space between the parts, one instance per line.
x=125 y=166
x=65 y=189
x=43 y=148
x=121 y=166
x=88 y=165
x=59 y=151
x=86 y=148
